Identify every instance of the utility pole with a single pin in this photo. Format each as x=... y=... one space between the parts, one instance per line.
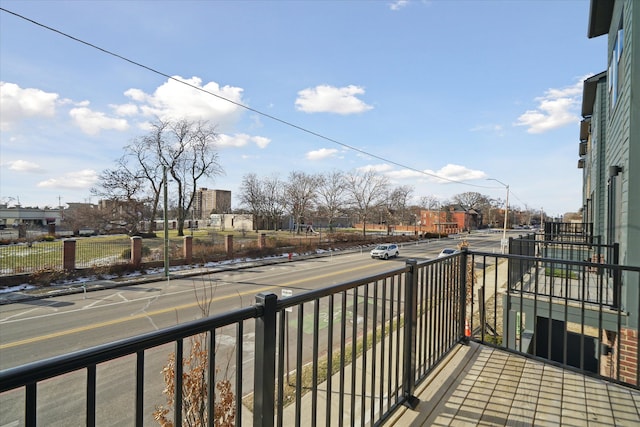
x=504 y=243
x=166 y=223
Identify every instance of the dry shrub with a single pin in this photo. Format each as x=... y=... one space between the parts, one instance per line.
x=46 y=276
x=194 y=381
x=194 y=390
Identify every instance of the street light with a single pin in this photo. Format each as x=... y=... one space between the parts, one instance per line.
x=503 y=244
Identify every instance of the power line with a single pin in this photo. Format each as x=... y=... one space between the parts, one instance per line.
x=274 y=118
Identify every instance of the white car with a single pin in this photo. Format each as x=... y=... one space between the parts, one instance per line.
x=447 y=252
x=385 y=251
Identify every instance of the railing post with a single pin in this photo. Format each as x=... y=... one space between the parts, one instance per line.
x=463 y=327
x=617 y=276
x=265 y=362
x=410 y=327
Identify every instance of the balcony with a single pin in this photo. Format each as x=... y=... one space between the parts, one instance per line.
x=488 y=386
x=456 y=340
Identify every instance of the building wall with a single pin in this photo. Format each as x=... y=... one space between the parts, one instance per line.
x=447 y=221
x=598 y=144
x=631 y=121
x=208 y=201
x=622 y=140
x=237 y=222
x=615 y=137
x=15 y=216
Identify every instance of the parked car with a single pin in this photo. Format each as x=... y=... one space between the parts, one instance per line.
x=447 y=252
x=385 y=251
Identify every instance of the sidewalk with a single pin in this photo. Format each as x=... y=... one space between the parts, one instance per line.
x=26 y=292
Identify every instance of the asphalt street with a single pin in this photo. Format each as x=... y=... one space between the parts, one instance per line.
x=41 y=328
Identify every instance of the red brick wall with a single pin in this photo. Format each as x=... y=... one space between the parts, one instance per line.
x=628 y=355
x=628 y=369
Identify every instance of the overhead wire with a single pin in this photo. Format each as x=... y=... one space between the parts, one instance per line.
x=241 y=105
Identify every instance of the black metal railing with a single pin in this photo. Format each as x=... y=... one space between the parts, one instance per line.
x=581 y=282
x=569 y=231
x=350 y=354
x=580 y=315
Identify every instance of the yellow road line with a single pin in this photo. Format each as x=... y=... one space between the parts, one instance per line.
x=164 y=310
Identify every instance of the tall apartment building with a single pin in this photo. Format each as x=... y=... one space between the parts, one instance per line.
x=207 y=202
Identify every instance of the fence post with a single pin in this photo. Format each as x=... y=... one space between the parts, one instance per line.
x=136 y=250
x=410 y=326
x=463 y=327
x=188 y=249
x=228 y=244
x=263 y=241
x=265 y=361
x=69 y=255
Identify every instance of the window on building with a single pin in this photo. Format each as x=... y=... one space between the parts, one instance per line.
x=616 y=67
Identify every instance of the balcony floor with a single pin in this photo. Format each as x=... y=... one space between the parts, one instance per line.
x=480 y=385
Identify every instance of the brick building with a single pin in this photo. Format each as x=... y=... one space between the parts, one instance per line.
x=450 y=219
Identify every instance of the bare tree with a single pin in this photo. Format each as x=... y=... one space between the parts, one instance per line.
x=367 y=191
x=331 y=195
x=429 y=202
x=274 y=199
x=150 y=167
x=398 y=203
x=471 y=199
x=85 y=216
x=252 y=197
x=186 y=149
x=300 y=194
x=123 y=188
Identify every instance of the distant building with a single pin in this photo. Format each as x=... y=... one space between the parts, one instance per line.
x=236 y=222
x=207 y=202
x=449 y=220
x=30 y=217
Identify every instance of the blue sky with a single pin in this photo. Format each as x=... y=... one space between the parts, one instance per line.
x=464 y=90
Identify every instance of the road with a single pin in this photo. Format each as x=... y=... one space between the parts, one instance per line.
x=44 y=328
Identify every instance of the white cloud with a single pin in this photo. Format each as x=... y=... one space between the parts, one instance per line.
x=443 y=175
x=556 y=108
x=17 y=104
x=83 y=179
x=405 y=174
x=24 y=166
x=136 y=95
x=329 y=99
x=322 y=153
x=241 y=140
x=455 y=173
x=398 y=4
x=173 y=100
x=380 y=168
x=261 y=141
x=125 y=109
x=93 y=122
